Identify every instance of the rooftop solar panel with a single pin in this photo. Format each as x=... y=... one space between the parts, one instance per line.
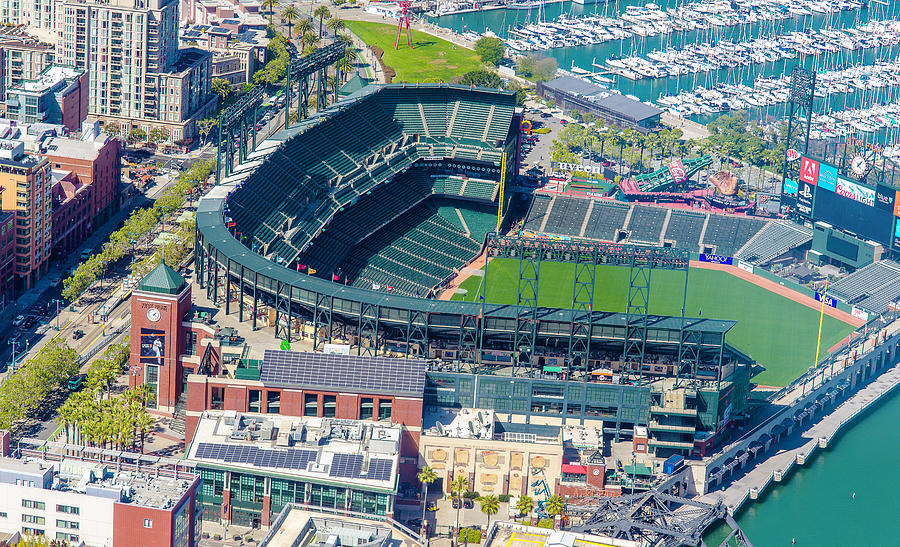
x=379 y=375
x=292 y=458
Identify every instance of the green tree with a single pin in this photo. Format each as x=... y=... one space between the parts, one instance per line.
x=490 y=506
x=322 y=13
x=158 y=135
x=481 y=78
x=289 y=15
x=555 y=505
x=537 y=67
x=345 y=67
x=458 y=487
x=222 y=88
x=270 y=5
x=304 y=25
x=309 y=39
x=205 y=126
x=335 y=25
x=490 y=50
x=525 y=505
x=426 y=476
x=136 y=135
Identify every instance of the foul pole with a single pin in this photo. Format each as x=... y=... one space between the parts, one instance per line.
x=502 y=187
x=821 y=318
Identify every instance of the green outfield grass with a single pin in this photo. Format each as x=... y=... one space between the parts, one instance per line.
x=430 y=60
x=779 y=333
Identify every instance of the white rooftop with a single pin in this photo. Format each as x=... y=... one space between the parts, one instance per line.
x=50 y=77
x=355 y=452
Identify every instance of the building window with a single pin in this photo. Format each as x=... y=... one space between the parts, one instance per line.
x=152 y=381
x=71 y=538
x=3 y=515
x=67 y=509
x=253 y=405
x=384 y=410
x=31 y=504
x=273 y=402
x=329 y=408
x=33 y=519
x=32 y=531
x=310 y=404
x=71 y=525
x=366 y=408
x=148 y=523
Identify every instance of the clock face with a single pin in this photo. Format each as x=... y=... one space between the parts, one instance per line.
x=153 y=314
x=858 y=165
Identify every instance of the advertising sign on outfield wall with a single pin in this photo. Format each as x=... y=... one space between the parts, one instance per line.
x=862 y=314
x=716 y=259
x=746 y=266
x=829 y=301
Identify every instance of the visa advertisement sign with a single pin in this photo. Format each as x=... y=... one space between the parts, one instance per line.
x=856 y=192
x=829 y=301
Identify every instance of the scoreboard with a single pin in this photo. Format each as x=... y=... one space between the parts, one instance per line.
x=820 y=193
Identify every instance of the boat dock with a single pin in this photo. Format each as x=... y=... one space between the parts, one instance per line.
x=819 y=434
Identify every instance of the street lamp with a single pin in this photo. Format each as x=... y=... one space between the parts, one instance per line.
x=132 y=256
x=14 y=359
x=57 y=301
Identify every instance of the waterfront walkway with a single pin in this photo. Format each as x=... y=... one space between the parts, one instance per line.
x=798 y=447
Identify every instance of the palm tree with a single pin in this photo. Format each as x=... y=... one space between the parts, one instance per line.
x=345 y=67
x=490 y=506
x=426 y=477
x=290 y=14
x=525 y=505
x=304 y=25
x=322 y=13
x=335 y=25
x=270 y=6
x=555 y=505
x=308 y=39
x=458 y=487
x=333 y=84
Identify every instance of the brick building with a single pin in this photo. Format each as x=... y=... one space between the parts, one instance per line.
x=7 y=256
x=25 y=188
x=58 y=95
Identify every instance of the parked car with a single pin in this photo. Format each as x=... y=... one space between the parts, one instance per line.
x=18 y=321
x=78 y=334
x=468 y=503
x=55 y=282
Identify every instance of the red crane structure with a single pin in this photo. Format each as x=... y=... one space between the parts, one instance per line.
x=404 y=18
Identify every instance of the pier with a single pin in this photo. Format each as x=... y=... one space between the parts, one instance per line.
x=820 y=431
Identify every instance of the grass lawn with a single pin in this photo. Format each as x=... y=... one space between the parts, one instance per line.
x=431 y=59
x=779 y=333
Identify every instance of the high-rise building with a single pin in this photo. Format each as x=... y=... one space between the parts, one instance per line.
x=138 y=76
x=25 y=187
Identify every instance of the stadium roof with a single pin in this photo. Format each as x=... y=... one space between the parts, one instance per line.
x=628 y=108
x=377 y=375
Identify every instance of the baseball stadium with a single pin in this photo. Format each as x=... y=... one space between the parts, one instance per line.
x=355 y=222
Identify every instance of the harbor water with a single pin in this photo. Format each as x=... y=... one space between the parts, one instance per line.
x=650 y=89
x=816 y=505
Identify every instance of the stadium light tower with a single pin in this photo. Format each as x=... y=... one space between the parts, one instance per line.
x=404 y=18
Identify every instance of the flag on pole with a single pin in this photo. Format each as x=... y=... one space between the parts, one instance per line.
x=312 y=271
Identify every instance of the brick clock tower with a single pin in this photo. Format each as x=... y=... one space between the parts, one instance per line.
x=158 y=306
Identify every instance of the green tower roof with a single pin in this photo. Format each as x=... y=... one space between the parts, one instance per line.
x=162 y=279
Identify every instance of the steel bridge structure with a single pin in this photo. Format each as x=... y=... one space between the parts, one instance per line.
x=654 y=519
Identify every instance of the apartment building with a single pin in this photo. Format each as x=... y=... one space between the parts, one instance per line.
x=26 y=188
x=22 y=58
x=138 y=76
x=238 y=50
x=58 y=95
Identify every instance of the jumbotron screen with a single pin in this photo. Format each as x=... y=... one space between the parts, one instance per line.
x=824 y=195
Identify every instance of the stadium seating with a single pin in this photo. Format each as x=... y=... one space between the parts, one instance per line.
x=538 y=211
x=607 y=218
x=872 y=287
x=685 y=228
x=775 y=239
x=726 y=234
x=646 y=224
x=323 y=189
x=566 y=216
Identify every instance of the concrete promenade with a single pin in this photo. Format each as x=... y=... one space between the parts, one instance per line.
x=800 y=446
